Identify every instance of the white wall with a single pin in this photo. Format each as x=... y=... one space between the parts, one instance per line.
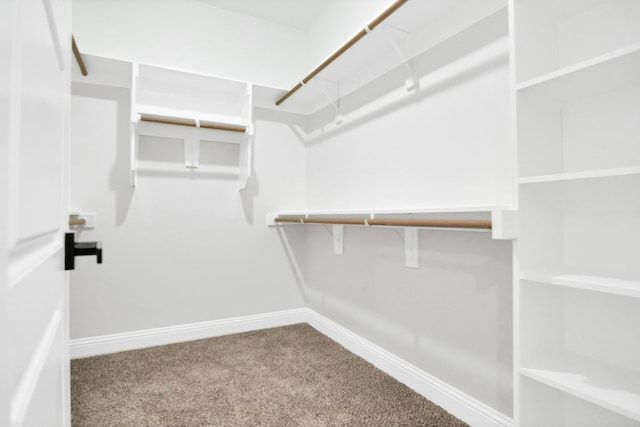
x=445 y=145
x=183 y=246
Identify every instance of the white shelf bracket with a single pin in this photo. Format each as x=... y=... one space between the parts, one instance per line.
x=133 y=155
x=335 y=103
x=411 y=82
x=338 y=239
x=133 y=131
x=246 y=159
x=411 y=247
x=191 y=150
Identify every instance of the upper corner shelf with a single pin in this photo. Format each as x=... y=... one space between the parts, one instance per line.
x=164 y=92
x=191 y=107
x=397 y=36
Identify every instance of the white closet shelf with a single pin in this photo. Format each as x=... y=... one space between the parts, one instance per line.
x=500 y=221
x=196 y=116
x=412 y=30
x=628 y=288
x=576 y=176
x=611 y=387
x=587 y=77
x=396 y=211
x=194 y=108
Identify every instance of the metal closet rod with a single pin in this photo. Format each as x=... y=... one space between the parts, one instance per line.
x=191 y=122
x=439 y=223
x=353 y=40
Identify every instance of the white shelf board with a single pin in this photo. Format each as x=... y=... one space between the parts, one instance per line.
x=628 y=288
x=185 y=80
x=504 y=218
x=574 y=176
x=191 y=114
x=606 y=72
x=608 y=386
x=397 y=211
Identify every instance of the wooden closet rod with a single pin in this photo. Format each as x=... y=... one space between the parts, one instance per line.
x=191 y=122
x=76 y=53
x=167 y=120
x=353 y=40
x=221 y=126
x=438 y=223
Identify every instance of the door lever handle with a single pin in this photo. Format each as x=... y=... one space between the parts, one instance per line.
x=72 y=249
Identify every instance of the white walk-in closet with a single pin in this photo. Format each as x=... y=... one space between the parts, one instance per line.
x=447 y=188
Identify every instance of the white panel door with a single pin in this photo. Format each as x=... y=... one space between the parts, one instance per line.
x=35 y=41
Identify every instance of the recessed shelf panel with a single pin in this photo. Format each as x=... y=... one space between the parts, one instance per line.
x=611 y=387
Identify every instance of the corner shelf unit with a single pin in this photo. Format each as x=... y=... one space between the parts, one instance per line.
x=191 y=107
x=576 y=90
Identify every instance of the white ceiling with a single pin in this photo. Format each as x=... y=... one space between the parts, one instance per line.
x=299 y=14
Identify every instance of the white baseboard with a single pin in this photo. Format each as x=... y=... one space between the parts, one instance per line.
x=105 y=344
x=454 y=401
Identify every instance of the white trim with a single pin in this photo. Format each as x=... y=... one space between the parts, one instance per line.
x=105 y=344
x=461 y=405
x=451 y=399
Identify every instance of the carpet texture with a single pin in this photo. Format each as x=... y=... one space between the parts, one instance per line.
x=288 y=376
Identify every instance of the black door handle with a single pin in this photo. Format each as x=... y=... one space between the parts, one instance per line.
x=72 y=249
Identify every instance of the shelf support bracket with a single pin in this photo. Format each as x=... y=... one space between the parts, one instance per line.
x=191 y=151
x=338 y=239
x=411 y=82
x=411 y=247
x=335 y=104
x=133 y=154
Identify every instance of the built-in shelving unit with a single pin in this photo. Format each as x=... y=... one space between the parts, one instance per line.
x=191 y=107
x=577 y=85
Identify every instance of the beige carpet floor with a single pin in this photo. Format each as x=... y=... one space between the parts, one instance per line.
x=288 y=376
